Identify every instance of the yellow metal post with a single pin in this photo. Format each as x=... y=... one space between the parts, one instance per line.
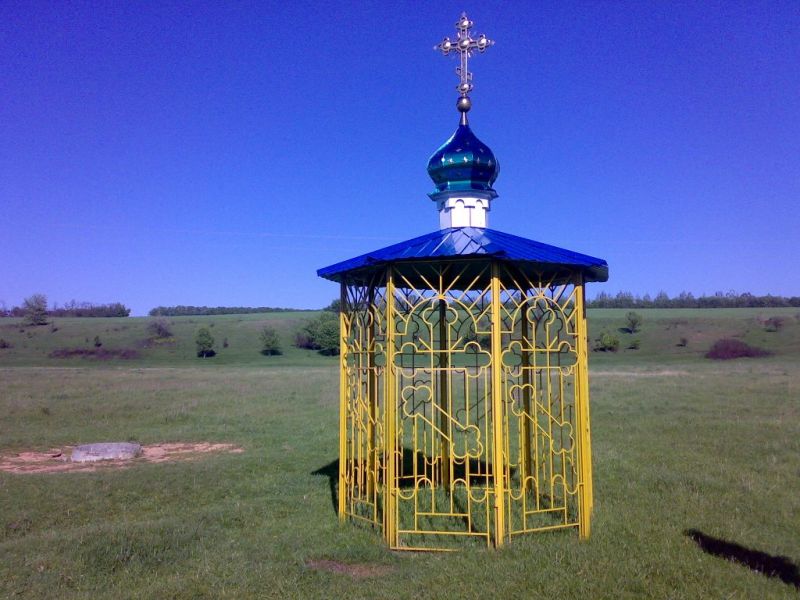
x=582 y=413
x=390 y=429
x=444 y=410
x=343 y=395
x=527 y=342
x=372 y=394
x=498 y=464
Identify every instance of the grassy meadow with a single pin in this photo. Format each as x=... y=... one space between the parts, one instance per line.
x=680 y=443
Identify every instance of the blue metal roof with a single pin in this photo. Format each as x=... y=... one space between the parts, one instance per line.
x=464 y=242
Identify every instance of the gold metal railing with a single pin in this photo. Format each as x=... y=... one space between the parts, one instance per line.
x=464 y=404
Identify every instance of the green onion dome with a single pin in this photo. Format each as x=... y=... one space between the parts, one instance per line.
x=463 y=163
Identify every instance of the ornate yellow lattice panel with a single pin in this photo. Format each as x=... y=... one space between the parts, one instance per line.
x=464 y=414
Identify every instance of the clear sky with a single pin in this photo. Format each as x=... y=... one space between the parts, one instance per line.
x=218 y=153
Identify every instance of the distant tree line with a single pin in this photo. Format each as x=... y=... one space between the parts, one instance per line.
x=688 y=300
x=185 y=311
x=70 y=309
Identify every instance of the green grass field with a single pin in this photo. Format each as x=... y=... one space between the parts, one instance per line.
x=680 y=443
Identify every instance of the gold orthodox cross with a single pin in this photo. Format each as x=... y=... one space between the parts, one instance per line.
x=465 y=46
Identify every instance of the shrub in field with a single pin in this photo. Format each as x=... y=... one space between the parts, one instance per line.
x=5 y=344
x=635 y=344
x=159 y=329
x=205 y=343
x=97 y=342
x=35 y=310
x=95 y=353
x=225 y=343
x=634 y=321
x=683 y=342
x=483 y=340
x=323 y=333
x=774 y=324
x=728 y=348
x=606 y=342
x=270 y=342
x=303 y=340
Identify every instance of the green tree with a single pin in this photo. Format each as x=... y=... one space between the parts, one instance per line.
x=35 y=310
x=270 y=342
x=205 y=343
x=324 y=333
x=634 y=321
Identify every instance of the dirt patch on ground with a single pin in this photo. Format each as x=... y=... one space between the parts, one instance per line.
x=57 y=460
x=355 y=570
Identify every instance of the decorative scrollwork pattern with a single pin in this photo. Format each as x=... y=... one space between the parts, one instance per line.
x=430 y=444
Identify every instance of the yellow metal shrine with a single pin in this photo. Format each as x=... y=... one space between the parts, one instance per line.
x=464 y=398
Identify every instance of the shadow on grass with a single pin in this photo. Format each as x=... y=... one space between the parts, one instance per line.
x=413 y=462
x=767 y=564
x=331 y=471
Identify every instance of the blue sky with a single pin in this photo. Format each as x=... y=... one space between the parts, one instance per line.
x=219 y=153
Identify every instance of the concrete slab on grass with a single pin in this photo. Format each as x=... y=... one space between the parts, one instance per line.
x=106 y=451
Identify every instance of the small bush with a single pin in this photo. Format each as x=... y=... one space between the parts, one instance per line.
x=634 y=321
x=225 y=343
x=205 y=343
x=323 y=333
x=95 y=353
x=606 y=342
x=303 y=340
x=5 y=344
x=635 y=344
x=682 y=343
x=483 y=340
x=159 y=329
x=53 y=329
x=728 y=348
x=97 y=342
x=774 y=324
x=270 y=342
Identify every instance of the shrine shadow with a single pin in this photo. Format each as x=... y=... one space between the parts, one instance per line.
x=411 y=460
x=331 y=471
x=766 y=564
